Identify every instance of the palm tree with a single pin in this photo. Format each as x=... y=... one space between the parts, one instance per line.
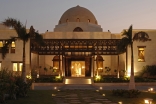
x=23 y=35
x=128 y=40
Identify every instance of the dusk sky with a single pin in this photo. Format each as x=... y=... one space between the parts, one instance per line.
x=113 y=15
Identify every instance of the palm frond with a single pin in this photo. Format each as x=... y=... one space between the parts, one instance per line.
x=18 y=26
x=32 y=32
x=129 y=32
x=141 y=36
x=39 y=39
x=122 y=45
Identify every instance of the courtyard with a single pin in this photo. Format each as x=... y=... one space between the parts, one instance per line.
x=79 y=96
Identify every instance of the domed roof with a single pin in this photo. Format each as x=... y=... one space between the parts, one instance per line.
x=78 y=14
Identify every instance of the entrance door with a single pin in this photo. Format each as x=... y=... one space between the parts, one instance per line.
x=78 y=66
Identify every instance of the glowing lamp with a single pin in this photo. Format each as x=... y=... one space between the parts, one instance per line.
x=150 y=89
x=53 y=95
x=97 y=90
x=55 y=88
x=119 y=102
x=38 y=75
x=103 y=95
x=148 y=101
x=100 y=88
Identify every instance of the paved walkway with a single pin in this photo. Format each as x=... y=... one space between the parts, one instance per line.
x=80 y=97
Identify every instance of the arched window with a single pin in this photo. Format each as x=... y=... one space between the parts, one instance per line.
x=78 y=20
x=88 y=20
x=56 y=60
x=99 y=63
x=77 y=29
x=67 y=20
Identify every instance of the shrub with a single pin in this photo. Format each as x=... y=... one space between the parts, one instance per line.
x=12 y=86
x=126 y=93
x=148 y=71
x=49 y=79
x=23 y=87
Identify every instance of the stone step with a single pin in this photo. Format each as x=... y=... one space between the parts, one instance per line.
x=78 y=80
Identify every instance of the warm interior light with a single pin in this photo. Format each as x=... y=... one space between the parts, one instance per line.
x=103 y=95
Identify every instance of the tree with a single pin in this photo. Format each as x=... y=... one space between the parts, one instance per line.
x=23 y=35
x=127 y=40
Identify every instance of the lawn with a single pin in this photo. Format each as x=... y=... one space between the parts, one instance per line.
x=45 y=97
x=125 y=100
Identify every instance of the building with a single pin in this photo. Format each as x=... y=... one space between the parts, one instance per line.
x=77 y=47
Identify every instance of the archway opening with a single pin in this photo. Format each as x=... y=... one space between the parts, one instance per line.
x=78 y=29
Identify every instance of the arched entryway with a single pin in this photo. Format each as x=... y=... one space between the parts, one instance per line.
x=78 y=66
x=78 y=29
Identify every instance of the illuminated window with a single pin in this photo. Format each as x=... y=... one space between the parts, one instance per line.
x=78 y=20
x=13 y=47
x=20 y=66
x=17 y=66
x=141 y=54
x=0 y=66
x=1 y=45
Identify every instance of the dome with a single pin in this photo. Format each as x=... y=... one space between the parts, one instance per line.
x=78 y=14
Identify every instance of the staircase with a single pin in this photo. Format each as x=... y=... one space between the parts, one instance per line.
x=78 y=83
x=78 y=80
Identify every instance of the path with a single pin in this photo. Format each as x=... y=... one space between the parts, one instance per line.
x=80 y=97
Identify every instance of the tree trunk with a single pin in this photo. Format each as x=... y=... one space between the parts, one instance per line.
x=23 y=66
x=132 y=80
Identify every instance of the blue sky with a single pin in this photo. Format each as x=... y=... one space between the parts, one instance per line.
x=113 y=15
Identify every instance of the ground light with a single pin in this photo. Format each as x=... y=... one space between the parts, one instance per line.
x=58 y=77
x=53 y=95
x=38 y=75
x=97 y=77
x=103 y=94
x=101 y=88
x=97 y=90
x=55 y=88
x=119 y=102
x=29 y=77
x=150 y=89
x=148 y=101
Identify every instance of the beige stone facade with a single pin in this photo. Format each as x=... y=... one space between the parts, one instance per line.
x=78 y=23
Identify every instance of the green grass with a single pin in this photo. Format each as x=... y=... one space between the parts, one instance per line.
x=35 y=97
x=45 y=97
x=125 y=100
